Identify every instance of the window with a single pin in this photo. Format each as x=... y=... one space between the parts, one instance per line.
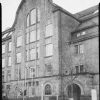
x=47 y=89
x=78 y=34
x=16 y=73
x=3 y=48
x=27 y=55
x=19 y=41
x=33 y=36
x=27 y=20
x=38 y=12
x=9 y=61
x=8 y=75
x=32 y=72
x=32 y=54
x=33 y=16
x=37 y=53
x=2 y=76
x=49 y=30
x=49 y=49
x=10 y=45
x=76 y=49
x=79 y=49
x=27 y=38
x=3 y=63
x=38 y=34
x=81 y=68
x=77 y=69
x=48 y=67
x=18 y=55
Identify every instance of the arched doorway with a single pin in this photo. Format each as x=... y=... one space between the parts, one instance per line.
x=74 y=91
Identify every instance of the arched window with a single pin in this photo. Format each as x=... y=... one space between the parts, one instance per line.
x=47 y=89
x=27 y=20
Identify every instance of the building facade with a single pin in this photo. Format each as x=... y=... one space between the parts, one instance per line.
x=49 y=53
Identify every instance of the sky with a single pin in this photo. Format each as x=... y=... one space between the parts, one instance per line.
x=9 y=8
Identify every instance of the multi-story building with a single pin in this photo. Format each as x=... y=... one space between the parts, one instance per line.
x=49 y=53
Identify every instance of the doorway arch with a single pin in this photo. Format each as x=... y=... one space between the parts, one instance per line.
x=74 y=91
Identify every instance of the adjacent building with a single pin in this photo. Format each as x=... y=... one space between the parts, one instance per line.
x=50 y=54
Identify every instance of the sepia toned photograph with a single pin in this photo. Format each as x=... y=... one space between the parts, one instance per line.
x=50 y=49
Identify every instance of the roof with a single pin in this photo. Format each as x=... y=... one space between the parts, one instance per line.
x=86 y=16
x=87 y=12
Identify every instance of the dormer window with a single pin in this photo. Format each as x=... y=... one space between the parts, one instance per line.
x=81 y=34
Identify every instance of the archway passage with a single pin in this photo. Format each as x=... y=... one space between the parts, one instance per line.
x=74 y=91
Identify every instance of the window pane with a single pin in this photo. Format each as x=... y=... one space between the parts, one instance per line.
x=18 y=57
x=33 y=36
x=19 y=41
x=38 y=34
x=33 y=16
x=81 y=68
x=9 y=61
x=3 y=48
x=27 y=38
x=77 y=69
x=38 y=15
x=49 y=49
x=32 y=54
x=3 y=63
x=76 y=49
x=27 y=20
x=37 y=53
x=8 y=75
x=32 y=72
x=49 y=30
x=27 y=55
x=81 y=48
x=10 y=45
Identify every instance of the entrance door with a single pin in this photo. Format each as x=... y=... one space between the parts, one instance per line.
x=74 y=92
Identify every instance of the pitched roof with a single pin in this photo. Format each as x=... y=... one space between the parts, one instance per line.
x=87 y=12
